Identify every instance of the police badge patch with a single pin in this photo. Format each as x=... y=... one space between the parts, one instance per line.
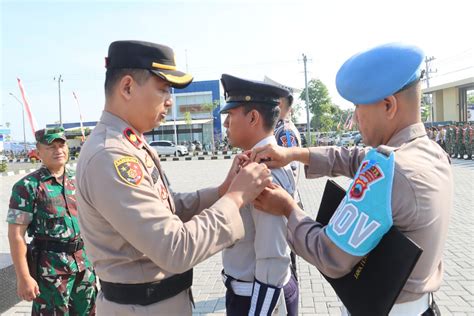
x=129 y=170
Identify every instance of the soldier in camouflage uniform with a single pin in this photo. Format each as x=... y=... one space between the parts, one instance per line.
x=453 y=140
x=448 y=140
x=465 y=141
x=470 y=146
x=457 y=141
x=43 y=204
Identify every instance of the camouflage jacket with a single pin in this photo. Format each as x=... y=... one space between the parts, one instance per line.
x=49 y=209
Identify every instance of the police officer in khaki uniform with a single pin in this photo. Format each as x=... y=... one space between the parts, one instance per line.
x=383 y=83
x=144 y=239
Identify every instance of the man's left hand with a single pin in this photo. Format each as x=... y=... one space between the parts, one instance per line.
x=275 y=200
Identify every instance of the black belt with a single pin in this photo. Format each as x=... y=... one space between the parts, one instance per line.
x=147 y=293
x=58 y=246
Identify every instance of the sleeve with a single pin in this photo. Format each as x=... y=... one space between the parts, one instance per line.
x=272 y=268
x=286 y=137
x=138 y=214
x=404 y=199
x=334 y=161
x=190 y=204
x=308 y=239
x=22 y=200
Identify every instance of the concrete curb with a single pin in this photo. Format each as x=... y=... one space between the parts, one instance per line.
x=162 y=158
x=195 y=154
x=12 y=173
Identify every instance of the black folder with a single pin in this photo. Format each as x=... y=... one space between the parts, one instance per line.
x=373 y=285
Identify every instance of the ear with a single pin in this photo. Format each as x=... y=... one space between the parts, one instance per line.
x=254 y=117
x=125 y=87
x=391 y=107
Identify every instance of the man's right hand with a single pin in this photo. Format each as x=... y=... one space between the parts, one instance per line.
x=27 y=288
x=272 y=155
x=249 y=183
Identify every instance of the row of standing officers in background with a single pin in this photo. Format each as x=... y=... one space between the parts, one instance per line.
x=455 y=139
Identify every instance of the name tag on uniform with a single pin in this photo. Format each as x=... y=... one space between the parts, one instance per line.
x=155 y=175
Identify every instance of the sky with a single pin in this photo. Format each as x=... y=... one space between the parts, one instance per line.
x=41 y=40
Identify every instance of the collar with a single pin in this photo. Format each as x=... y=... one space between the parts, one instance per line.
x=123 y=127
x=45 y=174
x=267 y=140
x=407 y=134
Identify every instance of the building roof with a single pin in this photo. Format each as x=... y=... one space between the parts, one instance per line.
x=458 y=83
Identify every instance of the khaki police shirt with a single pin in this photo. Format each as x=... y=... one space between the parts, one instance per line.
x=263 y=252
x=142 y=232
x=422 y=202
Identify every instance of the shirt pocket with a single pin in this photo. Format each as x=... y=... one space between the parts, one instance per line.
x=51 y=225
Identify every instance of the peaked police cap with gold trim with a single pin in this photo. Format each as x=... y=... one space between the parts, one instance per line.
x=157 y=58
x=238 y=91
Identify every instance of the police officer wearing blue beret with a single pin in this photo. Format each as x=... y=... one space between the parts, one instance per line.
x=403 y=179
x=257 y=271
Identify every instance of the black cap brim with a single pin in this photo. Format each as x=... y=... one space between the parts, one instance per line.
x=230 y=105
x=175 y=78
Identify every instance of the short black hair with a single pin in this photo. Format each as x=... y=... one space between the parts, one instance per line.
x=113 y=76
x=269 y=113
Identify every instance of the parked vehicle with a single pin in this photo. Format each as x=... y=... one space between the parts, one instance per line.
x=346 y=139
x=3 y=158
x=197 y=145
x=166 y=147
x=358 y=139
x=326 y=139
x=303 y=140
x=191 y=147
x=33 y=154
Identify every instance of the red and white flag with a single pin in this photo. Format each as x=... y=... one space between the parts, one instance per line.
x=351 y=122
x=27 y=107
x=348 y=121
x=83 y=138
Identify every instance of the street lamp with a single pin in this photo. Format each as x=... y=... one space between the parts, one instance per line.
x=23 y=116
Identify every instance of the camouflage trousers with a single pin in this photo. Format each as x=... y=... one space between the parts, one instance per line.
x=67 y=294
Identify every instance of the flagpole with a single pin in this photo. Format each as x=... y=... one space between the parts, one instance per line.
x=80 y=117
x=174 y=109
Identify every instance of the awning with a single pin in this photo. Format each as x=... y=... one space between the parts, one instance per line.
x=183 y=122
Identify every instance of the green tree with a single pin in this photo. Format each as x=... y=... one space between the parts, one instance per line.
x=319 y=102
x=209 y=107
x=470 y=99
x=188 y=119
x=425 y=108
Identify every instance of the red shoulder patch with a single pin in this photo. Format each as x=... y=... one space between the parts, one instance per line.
x=132 y=137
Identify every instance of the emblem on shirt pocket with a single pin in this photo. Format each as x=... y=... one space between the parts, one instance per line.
x=129 y=170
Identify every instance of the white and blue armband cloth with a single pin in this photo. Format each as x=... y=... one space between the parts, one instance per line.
x=365 y=214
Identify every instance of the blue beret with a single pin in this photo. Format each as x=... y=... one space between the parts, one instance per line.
x=377 y=73
x=239 y=91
